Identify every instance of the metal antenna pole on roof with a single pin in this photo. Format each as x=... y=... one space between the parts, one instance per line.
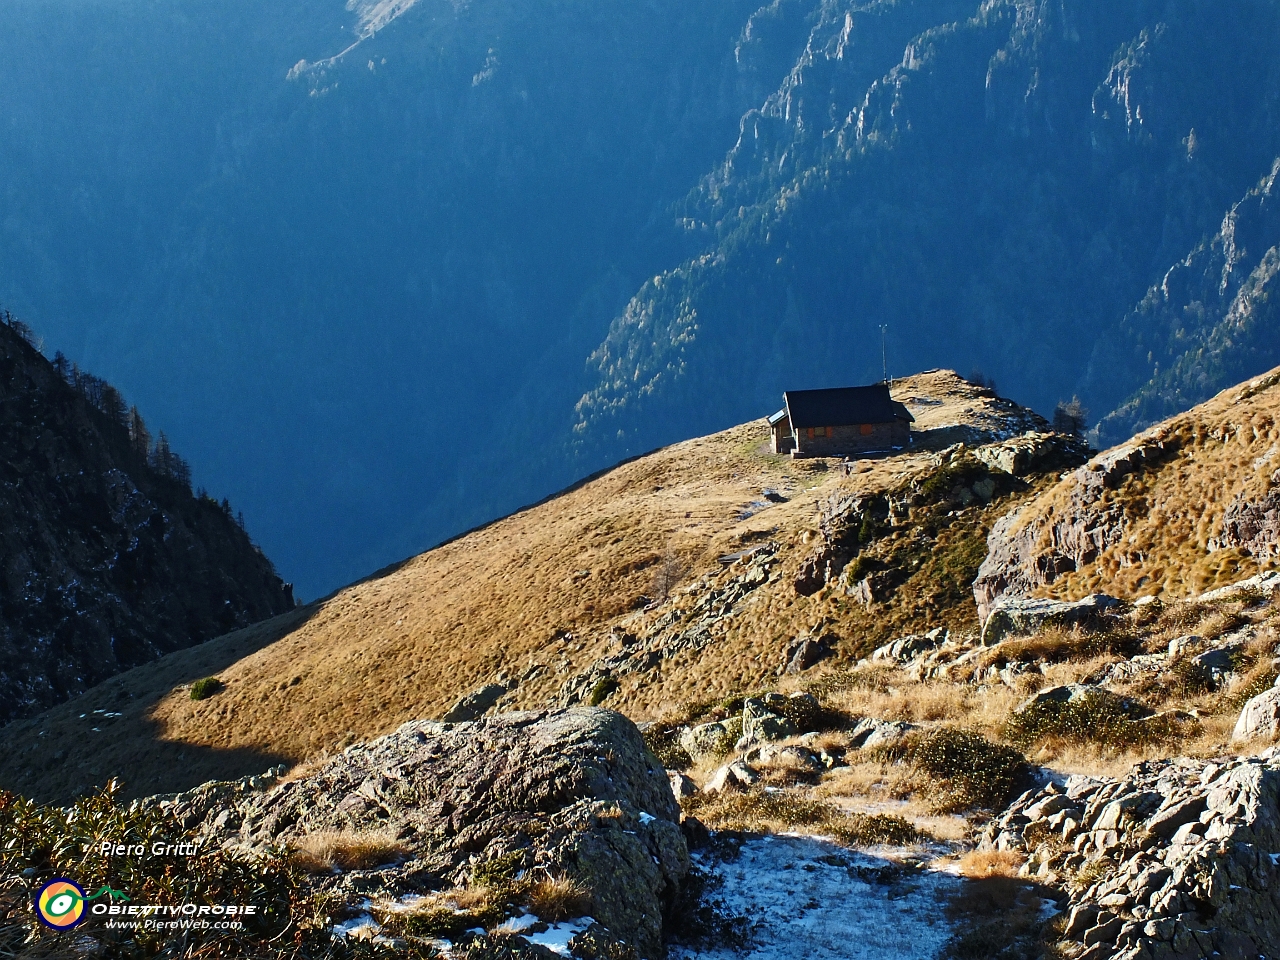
x=884 y=357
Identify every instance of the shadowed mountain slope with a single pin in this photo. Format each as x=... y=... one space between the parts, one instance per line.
x=108 y=560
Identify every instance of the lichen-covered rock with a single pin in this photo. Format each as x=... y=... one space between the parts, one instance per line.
x=705 y=739
x=870 y=732
x=1260 y=717
x=763 y=719
x=1034 y=453
x=1175 y=860
x=1010 y=618
x=561 y=792
x=907 y=648
x=1026 y=551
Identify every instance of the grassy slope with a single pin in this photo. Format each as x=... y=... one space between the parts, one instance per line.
x=1227 y=447
x=545 y=585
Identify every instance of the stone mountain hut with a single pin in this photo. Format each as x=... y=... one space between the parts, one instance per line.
x=840 y=422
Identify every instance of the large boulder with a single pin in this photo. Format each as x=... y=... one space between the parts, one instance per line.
x=562 y=792
x=763 y=718
x=1034 y=453
x=1011 y=618
x=1260 y=716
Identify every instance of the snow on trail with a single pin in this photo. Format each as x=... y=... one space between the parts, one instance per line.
x=809 y=898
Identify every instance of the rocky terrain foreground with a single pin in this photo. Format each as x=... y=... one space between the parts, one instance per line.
x=481 y=812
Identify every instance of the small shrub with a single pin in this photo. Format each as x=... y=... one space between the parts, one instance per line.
x=725 y=744
x=663 y=740
x=960 y=769
x=872 y=829
x=1097 y=717
x=605 y=688
x=808 y=716
x=561 y=898
x=990 y=863
x=321 y=851
x=203 y=689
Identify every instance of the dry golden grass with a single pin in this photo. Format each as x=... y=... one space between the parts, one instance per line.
x=1216 y=452
x=323 y=850
x=559 y=898
x=536 y=596
x=977 y=864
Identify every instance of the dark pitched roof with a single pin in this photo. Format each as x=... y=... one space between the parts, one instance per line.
x=844 y=406
x=781 y=414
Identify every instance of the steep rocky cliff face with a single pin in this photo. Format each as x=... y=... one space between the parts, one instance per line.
x=1212 y=319
x=1180 y=508
x=107 y=562
x=1000 y=185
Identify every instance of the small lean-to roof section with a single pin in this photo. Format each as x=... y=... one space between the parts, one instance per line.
x=777 y=417
x=844 y=406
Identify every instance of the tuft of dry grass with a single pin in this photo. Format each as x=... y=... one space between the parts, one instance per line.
x=977 y=864
x=324 y=850
x=770 y=811
x=559 y=898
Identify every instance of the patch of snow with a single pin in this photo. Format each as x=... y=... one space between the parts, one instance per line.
x=647 y=817
x=360 y=926
x=519 y=924
x=811 y=898
x=556 y=937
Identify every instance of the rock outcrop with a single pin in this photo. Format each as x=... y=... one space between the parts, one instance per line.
x=1177 y=860
x=564 y=793
x=1260 y=716
x=1009 y=618
x=1179 y=509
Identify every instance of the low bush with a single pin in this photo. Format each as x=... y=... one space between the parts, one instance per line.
x=605 y=688
x=663 y=740
x=38 y=843
x=959 y=770
x=559 y=898
x=1098 y=717
x=206 y=688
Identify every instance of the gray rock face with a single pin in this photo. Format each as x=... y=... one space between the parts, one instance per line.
x=1017 y=559
x=804 y=653
x=1260 y=717
x=1033 y=453
x=704 y=739
x=1009 y=618
x=908 y=647
x=870 y=732
x=571 y=792
x=762 y=719
x=1176 y=860
x=475 y=704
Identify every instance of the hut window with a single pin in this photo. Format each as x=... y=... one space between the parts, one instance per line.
x=867 y=429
